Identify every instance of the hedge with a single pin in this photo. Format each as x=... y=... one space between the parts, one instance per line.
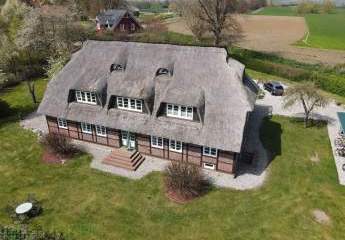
x=325 y=78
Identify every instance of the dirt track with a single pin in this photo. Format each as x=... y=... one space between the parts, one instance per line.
x=276 y=34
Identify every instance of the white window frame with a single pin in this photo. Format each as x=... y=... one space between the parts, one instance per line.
x=157 y=142
x=86 y=128
x=122 y=27
x=179 y=111
x=130 y=104
x=62 y=123
x=210 y=166
x=86 y=97
x=173 y=146
x=132 y=27
x=101 y=131
x=207 y=151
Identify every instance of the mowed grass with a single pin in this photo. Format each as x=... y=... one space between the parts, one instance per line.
x=277 y=11
x=326 y=30
x=88 y=204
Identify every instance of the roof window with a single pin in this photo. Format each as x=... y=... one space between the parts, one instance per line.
x=116 y=67
x=162 y=71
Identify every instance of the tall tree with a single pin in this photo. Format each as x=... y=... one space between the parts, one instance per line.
x=214 y=16
x=306 y=94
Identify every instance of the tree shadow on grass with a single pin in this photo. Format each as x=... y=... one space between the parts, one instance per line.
x=318 y=123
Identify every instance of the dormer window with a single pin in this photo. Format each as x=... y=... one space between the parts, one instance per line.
x=180 y=111
x=117 y=67
x=130 y=104
x=86 y=97
x=162 y=71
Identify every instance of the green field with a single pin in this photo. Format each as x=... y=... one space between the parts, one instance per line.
x=88 y=204
x=326 y=31
x=277 y=11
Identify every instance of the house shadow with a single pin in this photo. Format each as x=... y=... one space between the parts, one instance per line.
x=262 y=142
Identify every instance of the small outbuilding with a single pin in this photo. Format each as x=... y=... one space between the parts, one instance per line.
x=117 y=20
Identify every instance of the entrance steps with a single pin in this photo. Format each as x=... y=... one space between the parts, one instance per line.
x=124 y=158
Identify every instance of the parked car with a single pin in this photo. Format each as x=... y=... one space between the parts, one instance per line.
x=275 y=88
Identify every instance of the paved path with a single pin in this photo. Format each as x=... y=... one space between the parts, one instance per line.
x=329 y=114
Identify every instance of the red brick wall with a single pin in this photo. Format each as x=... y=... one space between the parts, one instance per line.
x=190 y=153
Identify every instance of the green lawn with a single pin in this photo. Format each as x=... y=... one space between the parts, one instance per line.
x=88 y=204
x=277 y=11
x=326 y=30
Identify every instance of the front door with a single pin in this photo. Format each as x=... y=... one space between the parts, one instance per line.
x=128 y=139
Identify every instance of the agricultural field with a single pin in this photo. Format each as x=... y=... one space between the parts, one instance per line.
x=326 y=31
x=275 y=35
x=277 y=11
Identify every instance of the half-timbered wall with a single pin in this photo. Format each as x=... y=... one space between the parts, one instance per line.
x=190 y=152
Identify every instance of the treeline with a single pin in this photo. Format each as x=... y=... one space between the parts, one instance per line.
x=307 y=7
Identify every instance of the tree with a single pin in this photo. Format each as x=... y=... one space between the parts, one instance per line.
x=45 y=35
x=215 y=16
x=306 y=94
x=56 y=64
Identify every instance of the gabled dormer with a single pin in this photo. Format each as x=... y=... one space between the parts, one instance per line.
x=89 y=92
x=128 y=104
x=179 y=111
x=86 y=97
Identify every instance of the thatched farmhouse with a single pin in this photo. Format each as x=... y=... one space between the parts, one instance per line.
x=118 y=20
x=180 y=103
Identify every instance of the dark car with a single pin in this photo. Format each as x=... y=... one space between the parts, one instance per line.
x=275 y=88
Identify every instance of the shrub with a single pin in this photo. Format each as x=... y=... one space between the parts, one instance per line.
x=59 y=144
x=186 y=180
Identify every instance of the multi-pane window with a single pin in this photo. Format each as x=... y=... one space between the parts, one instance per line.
x=62 y=123
x=86 y=128
x=175 y=146
x=157 y=142
x=180 y=111
x=86 y=97
x=211 y=152
x=101 y=131
x=130 y=104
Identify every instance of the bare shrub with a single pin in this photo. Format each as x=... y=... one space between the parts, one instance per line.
x=59 y=144
x=186 y=180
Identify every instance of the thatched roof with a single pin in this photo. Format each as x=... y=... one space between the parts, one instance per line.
x=203 y=77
